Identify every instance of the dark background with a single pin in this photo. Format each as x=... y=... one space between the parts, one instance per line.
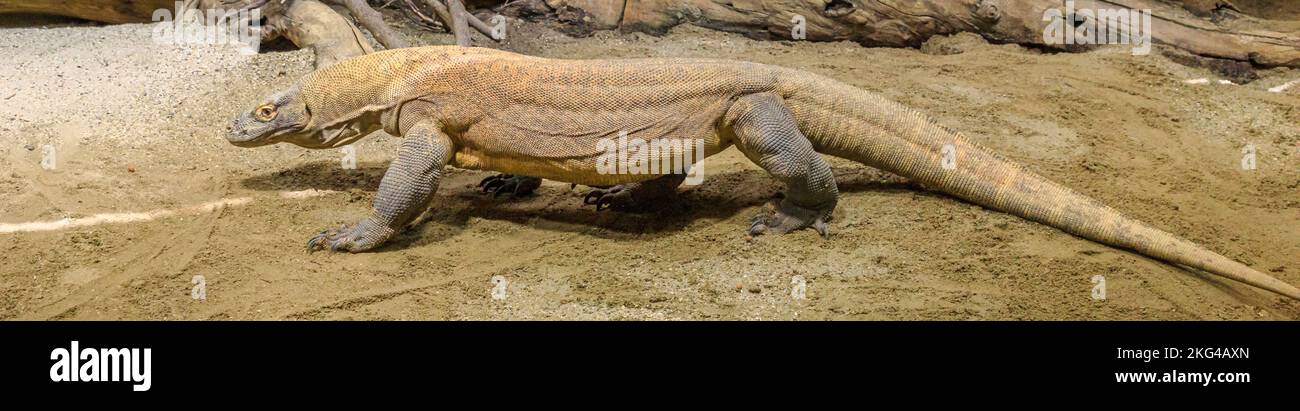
x=417 y=358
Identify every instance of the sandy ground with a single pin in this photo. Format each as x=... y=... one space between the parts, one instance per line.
x=136 y=127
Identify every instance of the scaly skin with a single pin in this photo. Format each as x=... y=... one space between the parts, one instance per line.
x=485 y=109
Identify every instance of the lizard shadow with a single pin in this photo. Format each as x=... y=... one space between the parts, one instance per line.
x=459 y=203
x=320 y=175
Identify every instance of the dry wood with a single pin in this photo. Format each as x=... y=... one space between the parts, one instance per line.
x=373 y=22
x=311 y=24
x=138 y=11
x=452 y=19
x=1204 y=28
x=1223 y=33
x=459 y=25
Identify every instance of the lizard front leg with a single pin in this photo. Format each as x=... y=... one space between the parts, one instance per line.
x=404 y=192
x=768 y=134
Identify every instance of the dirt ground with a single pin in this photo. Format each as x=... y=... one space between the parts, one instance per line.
x=137 y=127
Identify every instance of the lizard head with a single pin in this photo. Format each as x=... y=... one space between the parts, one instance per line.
x=286 y=117
x=281 y=117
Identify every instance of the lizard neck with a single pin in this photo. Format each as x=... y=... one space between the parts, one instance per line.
x=378 y=83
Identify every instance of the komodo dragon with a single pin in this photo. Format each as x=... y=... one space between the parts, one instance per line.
x=484 y=109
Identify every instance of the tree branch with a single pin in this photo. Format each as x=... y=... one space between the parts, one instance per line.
x=459 y=25
x=373 y=22
x=458 y=20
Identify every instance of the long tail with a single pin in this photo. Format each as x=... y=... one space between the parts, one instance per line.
x=847 y=122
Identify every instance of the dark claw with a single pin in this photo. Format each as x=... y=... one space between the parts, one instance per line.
x=758 y=226
x=511 y=188
x=602 y=198
x=495 y=185
x=326 y=238
x=311 y=242
x=501 y=184
x=491 y=179
x=780 y=218
x=317 y=242
x=494 y=182
x=593 y=197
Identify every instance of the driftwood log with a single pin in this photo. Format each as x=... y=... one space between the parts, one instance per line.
x=1209 y=28
x=135 y=11
x=311 y=24
x=1194 y=30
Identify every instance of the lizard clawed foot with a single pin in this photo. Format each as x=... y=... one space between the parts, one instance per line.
x=356 y=238
x=612 y=197
x=516 y=186
x=781 y=216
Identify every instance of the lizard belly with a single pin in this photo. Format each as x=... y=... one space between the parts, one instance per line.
x=585 y=170
x=574 y=170
x=593 y=148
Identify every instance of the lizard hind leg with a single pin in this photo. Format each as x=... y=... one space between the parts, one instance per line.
x=766 y=132
x=516 y=186
x=644 y=195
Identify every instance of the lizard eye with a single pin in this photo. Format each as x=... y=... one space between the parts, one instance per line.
x=265 y=113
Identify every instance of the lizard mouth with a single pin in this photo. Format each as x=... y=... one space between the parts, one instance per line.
x=241 y=137
x=242 y=141
x=248 y=140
